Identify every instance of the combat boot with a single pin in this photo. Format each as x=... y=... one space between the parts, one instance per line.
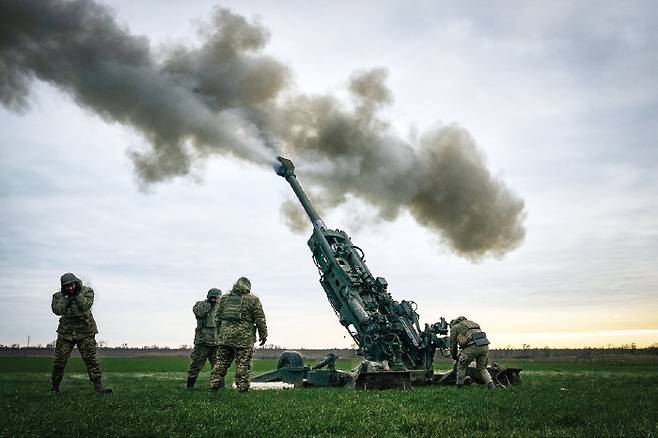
x=216 y=387
x=98 y=386
x=55 y=388
x=190 y=383
x=491 y=386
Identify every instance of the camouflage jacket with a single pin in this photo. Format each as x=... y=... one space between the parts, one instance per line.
x=207 y=322
x=461 y=334
x=76 y=321
x=240 y=314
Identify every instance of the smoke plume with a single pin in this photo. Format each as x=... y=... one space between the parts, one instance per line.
x=194 y=103
x=225 y=96
x=294 y=216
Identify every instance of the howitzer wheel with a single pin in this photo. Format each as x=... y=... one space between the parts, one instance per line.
x=290 y=359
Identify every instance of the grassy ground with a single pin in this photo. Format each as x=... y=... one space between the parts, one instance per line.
x=555 y=399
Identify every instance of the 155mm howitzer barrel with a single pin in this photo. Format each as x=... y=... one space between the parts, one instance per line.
x=287 y=170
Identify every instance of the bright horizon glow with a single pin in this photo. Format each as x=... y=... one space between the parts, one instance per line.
x=583 y=339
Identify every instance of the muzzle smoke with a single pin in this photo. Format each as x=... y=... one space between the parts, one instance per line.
x=227 y=97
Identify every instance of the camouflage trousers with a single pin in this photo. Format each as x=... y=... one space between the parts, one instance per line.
x=225 y=355
x=479 y=354
x=199 y=355
x=87 y=348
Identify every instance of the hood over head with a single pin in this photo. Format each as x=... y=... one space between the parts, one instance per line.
x=242 y=286
x=70 y=278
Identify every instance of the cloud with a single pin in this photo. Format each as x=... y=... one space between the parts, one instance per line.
x=226 y=97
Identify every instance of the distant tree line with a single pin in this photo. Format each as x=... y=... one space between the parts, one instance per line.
x=624 y=348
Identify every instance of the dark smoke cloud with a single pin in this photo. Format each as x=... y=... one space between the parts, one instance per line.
x=442 y=180
x=227 y=97
x=197 y=102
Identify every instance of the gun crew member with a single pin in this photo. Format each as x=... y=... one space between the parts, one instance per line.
x=240 y=314
x=206 y=340
x=473 y=345
x=76 y=327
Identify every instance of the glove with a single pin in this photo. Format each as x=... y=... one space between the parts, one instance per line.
x=262 y=341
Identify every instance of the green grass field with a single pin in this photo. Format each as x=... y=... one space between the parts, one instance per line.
x=555 y=399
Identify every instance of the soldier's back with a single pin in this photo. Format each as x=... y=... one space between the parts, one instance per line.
x=236 y=313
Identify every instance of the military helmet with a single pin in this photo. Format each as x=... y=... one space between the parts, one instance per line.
x=214 y=293
x=457 y=320
x=68 y=278
x=243 y=284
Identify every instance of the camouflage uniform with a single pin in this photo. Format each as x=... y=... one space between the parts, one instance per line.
x=206 y=340
x=76 y=327
x=474 y=346
x=240 y=314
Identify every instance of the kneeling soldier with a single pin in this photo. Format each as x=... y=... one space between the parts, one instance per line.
x=205 y=335
x=76 y=327
x=474 y=345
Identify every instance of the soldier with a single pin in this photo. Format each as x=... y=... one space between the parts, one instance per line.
x=474 y=345
x=240 y=314
x=205 y=335
x=76 y=327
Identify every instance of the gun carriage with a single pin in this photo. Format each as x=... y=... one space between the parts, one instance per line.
x=388 y=334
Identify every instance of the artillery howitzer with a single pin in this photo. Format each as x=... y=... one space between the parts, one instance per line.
x=397 y=352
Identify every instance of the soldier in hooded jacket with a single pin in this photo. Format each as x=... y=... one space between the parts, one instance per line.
x=240 y=315
x=473 y=346
x=206 y=340
x=76 y=327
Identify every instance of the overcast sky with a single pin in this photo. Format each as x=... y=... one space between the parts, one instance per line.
x=560 y=97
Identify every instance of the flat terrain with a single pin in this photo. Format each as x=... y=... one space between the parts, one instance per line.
x=555 y=399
